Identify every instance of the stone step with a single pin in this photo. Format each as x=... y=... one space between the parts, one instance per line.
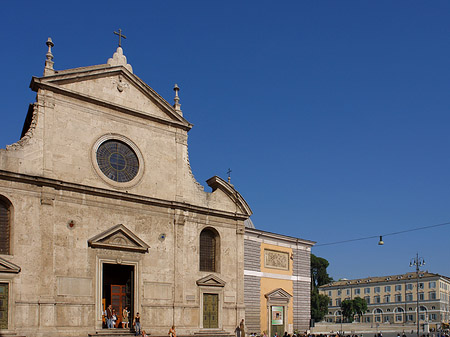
x=113 y=333
x=129 y=333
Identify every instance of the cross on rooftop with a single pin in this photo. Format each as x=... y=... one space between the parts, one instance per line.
x=120 y=36
x=229 y=174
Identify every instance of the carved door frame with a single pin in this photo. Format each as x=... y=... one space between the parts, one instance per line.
x=99 y=285
x=278 y=297
x=211 y=284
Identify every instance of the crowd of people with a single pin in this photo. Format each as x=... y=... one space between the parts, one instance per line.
x=341 y=334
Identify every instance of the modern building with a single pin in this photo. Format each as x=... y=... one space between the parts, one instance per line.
x=393 y=299
x=98 y=206
x=277 y=282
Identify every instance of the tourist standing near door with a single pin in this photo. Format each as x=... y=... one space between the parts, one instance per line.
x=137 y=324
x=125 y=314
x=109 y=315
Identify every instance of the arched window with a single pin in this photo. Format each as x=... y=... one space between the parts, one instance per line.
x=5 y=224
x=209 y=247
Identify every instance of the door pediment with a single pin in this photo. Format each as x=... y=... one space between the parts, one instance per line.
x=211 y=281
x=8 y=267
x=278 y=295
x=118 y=238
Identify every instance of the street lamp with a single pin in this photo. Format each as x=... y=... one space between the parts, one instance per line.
x=417 y=262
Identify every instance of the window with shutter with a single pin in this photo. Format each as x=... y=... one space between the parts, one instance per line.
x=4 y=227
x=208 y=249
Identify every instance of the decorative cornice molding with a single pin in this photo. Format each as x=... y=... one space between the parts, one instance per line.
x=218 y=183
x=79 y=188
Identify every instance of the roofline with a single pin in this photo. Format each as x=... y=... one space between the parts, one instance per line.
x=382 y=279
x=277 y=236
x=51 y=83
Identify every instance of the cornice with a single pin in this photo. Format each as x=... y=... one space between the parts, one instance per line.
x=261 y=235
x=218 y=183
x=118 y=195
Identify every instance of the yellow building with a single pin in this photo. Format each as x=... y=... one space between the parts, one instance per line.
x=277 y=282
x=393 y=299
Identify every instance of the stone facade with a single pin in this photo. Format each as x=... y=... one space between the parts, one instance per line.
x=78 y=230
x=277 y=281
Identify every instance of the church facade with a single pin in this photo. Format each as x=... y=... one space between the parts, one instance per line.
x=98 y=206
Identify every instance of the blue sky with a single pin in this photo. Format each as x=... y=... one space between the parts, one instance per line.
x=333 y=115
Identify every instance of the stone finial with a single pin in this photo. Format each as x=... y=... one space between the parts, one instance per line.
x=48 y=70
x=177 y=104
x=119 y=59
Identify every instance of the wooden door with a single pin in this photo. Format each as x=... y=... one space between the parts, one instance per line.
x=210 y=311
x=4 y=305
x=118 y=300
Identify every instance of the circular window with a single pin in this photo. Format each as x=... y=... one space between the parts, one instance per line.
x=117 y=161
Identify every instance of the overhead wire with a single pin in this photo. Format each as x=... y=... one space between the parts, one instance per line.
x=376 y=236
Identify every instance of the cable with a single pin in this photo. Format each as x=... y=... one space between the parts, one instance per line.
x=388 y=234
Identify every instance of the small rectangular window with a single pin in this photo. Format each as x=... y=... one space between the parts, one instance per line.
x=387 y=289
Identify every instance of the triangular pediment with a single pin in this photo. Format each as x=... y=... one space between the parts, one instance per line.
x=279 y=295
x=211 y=281
x=115 y=87
x=8 y=267
x=119 y=238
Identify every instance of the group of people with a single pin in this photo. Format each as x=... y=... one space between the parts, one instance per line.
x=111 y=321
x=111 y=317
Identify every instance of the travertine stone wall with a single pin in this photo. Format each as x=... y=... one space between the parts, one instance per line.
x=51 y=180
